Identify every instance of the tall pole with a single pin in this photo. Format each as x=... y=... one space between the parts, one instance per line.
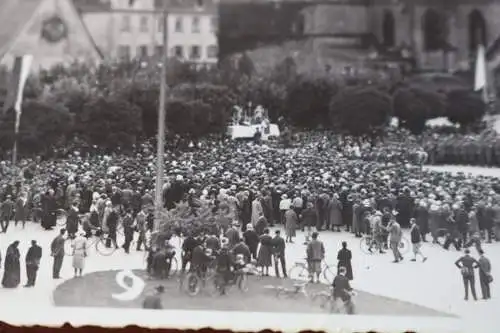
x=161 y=121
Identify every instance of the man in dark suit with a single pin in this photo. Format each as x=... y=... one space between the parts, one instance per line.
x=279 y=254
x=467 y=264
x=342 y=290
x=57 y=251
x=32 y=263
x=7 y=209
x=485 y=277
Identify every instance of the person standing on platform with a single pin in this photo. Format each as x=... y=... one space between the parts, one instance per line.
x=57 y=251
x=33 y=257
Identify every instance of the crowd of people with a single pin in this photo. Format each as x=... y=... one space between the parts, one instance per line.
x=324 y=182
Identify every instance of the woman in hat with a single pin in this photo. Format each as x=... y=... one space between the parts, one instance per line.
x=264 y=258
x=79 y=254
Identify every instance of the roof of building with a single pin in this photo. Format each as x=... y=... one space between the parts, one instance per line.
x=14 y=14
x=92 y=6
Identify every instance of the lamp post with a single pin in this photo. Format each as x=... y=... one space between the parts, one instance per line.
x=160 y=150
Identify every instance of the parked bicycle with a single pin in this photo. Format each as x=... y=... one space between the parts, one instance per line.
x=300 y=271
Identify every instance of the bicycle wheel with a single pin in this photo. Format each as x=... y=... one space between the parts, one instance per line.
x=192 y=284
x=404 y=246
x=366 y=244
x=298 y=272
x=102 y=248
x=329 y=273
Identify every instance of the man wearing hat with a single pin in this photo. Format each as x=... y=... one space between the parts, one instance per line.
x=7 y=209
x=153 y=301
x=279 y=254
x=33 y=257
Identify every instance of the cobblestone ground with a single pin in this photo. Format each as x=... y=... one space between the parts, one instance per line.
x=435 y=284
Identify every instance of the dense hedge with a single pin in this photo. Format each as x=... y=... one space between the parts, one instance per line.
x=116 y=105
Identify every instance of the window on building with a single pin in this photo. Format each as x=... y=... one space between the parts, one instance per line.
x=212 y=51
x=214 y=24
x=124 y=52
x=126 y=24
x=144 y=24
x=179 y=52
x=435 y=30
x=179 y=24
x=142 y=51
x=195 y=52
x=159 y=50
x=195 y=25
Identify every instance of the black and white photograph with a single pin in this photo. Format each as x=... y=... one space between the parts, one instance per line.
x=329 y=165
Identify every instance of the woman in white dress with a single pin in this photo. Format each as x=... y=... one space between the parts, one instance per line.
x=79 y=254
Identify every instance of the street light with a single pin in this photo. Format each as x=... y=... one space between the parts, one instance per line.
x=161 y=121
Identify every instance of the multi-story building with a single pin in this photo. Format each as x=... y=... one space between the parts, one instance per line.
x=127 y=29
x=50 y=30
x=437 y=35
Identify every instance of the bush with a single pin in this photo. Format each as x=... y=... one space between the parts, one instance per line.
x=414 y=106
x=308 y=101
x=219 y=99
x=190 y=119
x=360 y=111
x=42 y=126
x=110 y=122
x=465 y=107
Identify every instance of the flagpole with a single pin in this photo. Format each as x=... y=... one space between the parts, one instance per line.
x=161 y=122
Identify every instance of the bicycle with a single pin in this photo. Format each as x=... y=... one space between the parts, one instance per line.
x=223 y=284
x=300 y=270
x=326 y=301
x=195 y=281
x=369 y=245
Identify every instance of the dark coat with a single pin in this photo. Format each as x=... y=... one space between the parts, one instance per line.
x=344 y=258
x=12 y=268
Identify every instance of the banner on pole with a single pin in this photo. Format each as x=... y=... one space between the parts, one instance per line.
x=480 y=75
x=20 y=73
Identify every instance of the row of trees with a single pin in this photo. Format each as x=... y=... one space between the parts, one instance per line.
x=116 y=105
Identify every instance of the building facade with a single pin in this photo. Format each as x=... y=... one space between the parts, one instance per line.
x=50 y=30
x=125 y=29
x=437 y=35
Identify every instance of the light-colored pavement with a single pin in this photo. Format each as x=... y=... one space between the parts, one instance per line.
x=436 y=283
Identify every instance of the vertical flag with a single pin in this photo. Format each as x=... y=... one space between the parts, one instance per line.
x=19 y=76
x=480 y=78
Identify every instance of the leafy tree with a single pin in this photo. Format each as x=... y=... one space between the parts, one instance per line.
x=111 y=122
x=465 y=107
x=188 y=118
x=42 y=126
x=308 y=101
x=360 y=111
x=414 y=106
